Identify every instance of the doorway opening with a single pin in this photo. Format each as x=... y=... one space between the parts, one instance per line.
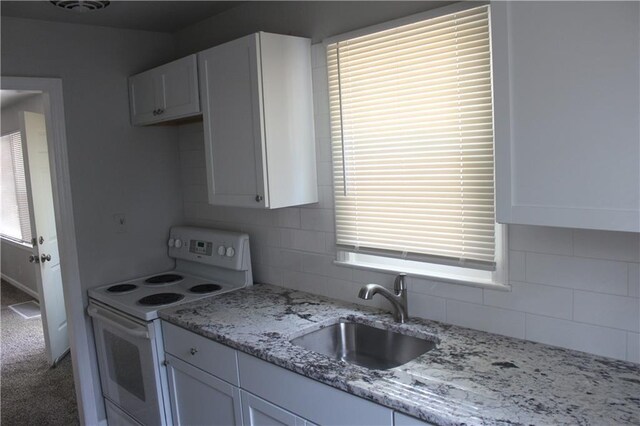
x=28 y=227
x=65 y=260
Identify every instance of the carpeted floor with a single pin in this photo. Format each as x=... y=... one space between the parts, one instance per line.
x=31 y=392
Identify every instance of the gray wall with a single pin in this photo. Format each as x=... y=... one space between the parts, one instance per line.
x=114 y=167
x=14 y=264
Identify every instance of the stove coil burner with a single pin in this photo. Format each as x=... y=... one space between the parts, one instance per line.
x=205 y=288
x=160 y=299
x=163 y=279
x=122 y=288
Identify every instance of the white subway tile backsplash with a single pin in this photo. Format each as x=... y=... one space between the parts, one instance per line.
x=623 y=246
x=192 y=159
x=194 y=193
x=582 y=337
x=634 y=280
x=318 y=55
x=326 y=197
x=607 y=310
x=304 y=282
x=194 y=176
x=303 y=240
x=323 y=149
x=323 y=265
x=429 y=307
x=267 y=274
x=445 y=290
x=288 y=218
x=517 y=265
x=291 y=260
x=486 y=318
x=325 y=173
x=541 y=239
x=533 y=298
x=343 y=290
x=317 y=220
x=603 y=276
x=633 y=347
x=323 y=126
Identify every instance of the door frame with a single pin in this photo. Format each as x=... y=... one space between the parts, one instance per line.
x=78 y=324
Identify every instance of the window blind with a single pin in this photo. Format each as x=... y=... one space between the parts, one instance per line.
x=412 y=141
x=15 y=203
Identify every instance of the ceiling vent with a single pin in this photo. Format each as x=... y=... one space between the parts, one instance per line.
x=81 y=5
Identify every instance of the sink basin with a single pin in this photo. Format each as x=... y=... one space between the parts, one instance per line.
x=364 y=345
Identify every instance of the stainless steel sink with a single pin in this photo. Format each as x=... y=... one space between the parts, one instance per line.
x=364 y=345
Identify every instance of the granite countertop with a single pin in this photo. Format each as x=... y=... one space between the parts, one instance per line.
x=471 y=377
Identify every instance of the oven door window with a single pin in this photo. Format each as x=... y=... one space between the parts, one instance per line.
x=123 y=364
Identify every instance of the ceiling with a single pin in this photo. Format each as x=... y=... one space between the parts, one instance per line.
x=162 y=16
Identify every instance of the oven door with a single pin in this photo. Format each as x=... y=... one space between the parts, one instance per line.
x=129 y=364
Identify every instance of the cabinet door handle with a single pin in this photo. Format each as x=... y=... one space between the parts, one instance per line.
x=155 y=112
x=34 y=259
x=160 y=111
x=258 y=198
x=193 y=351
x=45 y=257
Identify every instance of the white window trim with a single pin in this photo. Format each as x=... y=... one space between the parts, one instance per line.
x=495 y=280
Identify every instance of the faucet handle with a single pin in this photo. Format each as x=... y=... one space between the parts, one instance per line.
x=399 y=284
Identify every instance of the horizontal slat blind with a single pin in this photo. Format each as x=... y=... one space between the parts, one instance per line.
x=15 y=203
x=412 y=140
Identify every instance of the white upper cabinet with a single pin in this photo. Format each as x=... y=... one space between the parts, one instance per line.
x=566 y=81
x=165 y=93
x=257 y=107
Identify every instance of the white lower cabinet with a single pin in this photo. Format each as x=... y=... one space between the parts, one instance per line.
x=198 y=398
x=258 y=412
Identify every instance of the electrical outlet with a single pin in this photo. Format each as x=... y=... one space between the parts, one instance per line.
x=120 y=222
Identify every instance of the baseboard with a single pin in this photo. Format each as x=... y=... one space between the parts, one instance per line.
x=20 y=286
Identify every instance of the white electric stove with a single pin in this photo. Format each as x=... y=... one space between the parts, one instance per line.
x=127 y=329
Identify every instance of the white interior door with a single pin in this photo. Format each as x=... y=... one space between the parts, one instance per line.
x=43 y=226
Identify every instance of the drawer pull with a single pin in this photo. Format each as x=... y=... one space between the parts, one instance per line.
x=193 y=351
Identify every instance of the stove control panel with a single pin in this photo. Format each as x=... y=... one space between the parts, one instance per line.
x=201 y=247
x=224 y=249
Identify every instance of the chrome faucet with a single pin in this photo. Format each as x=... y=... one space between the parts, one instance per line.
x=398 y=298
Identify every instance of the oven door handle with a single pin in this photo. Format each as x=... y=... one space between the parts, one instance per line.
x=118 y=323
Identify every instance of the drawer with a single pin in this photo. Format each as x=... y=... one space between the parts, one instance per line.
x=210 y=356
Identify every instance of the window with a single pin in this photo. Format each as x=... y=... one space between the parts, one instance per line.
x=412 y=145
x=15 y=222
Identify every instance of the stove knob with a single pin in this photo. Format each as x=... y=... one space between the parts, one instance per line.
x=172 y=242
x=221 y=250
x=230 y=252
x=178 y=243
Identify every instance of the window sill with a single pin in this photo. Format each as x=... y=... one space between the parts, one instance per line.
x=488 y=284
x=16 y=243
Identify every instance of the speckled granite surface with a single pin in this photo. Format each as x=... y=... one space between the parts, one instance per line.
x=471 y=377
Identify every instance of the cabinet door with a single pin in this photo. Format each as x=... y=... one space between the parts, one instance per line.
x=143 y=97
x=230 y=89
x=258 y=412
x=198 y=398
x=566 y=114
x=178 y=89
